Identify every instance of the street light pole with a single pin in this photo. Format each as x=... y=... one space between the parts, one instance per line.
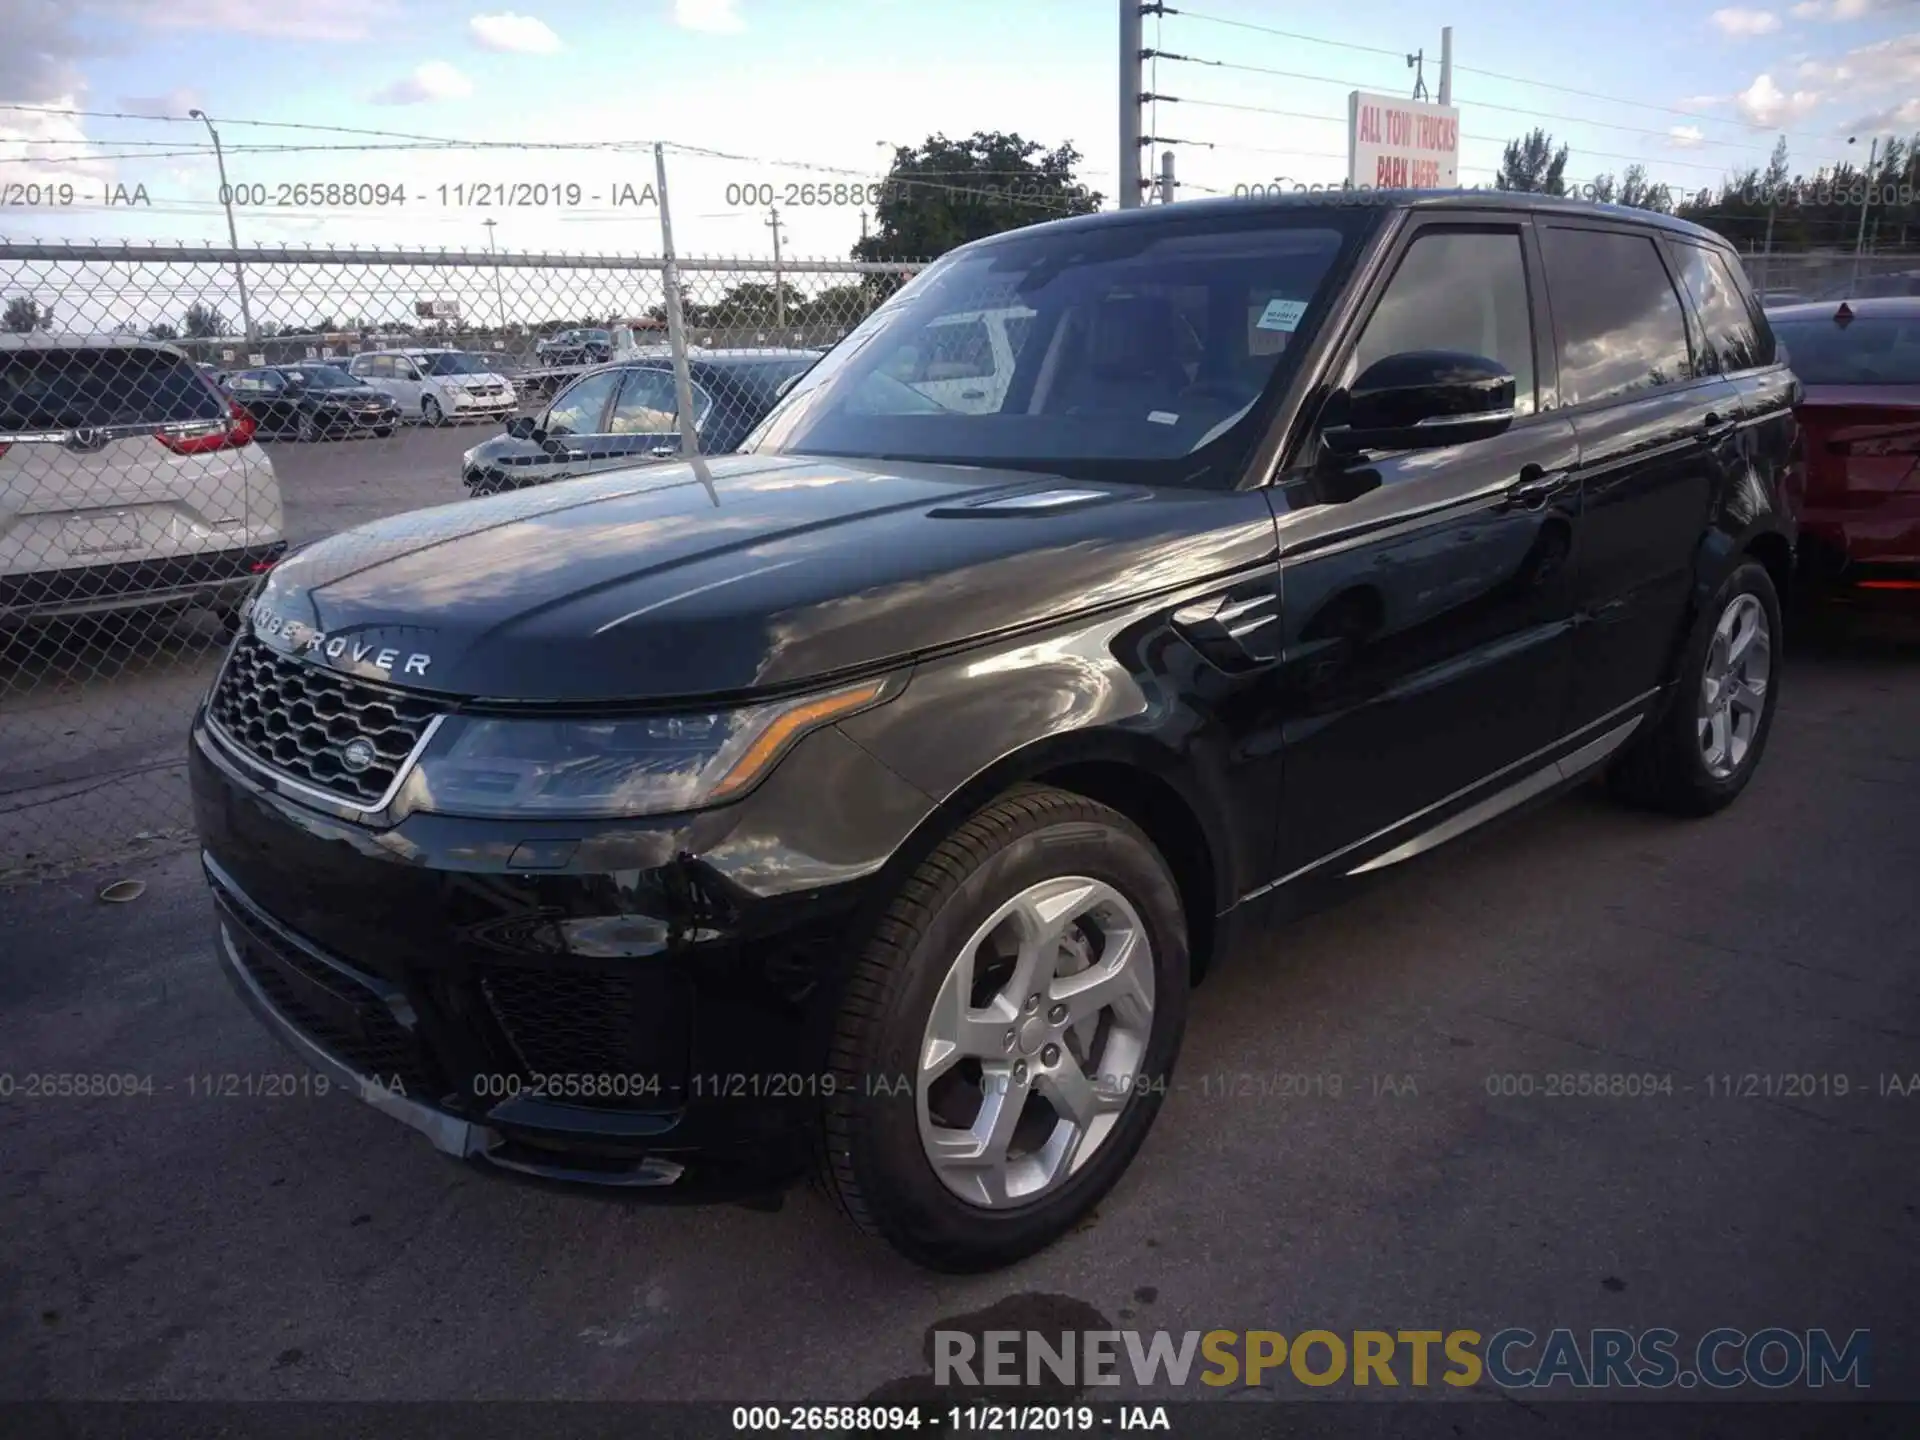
x=499 y=300
x=233 y=235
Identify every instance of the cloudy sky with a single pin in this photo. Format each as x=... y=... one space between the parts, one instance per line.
x=444 y=99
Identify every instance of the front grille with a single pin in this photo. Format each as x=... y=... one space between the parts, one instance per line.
x=299 y=720
x=601 y=1031
x=338 y=1012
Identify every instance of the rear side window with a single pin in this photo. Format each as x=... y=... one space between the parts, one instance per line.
x=1458 y=290
x=71 y=389
x=1877 y=351
x=1732 y=339
x=1620 y=324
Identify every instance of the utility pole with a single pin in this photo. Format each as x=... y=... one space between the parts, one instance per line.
x=676 y=319
x=499 y=300
x=1446 y=64
x=1131 y=89
x=233 y=235
x=1166 y=177
x=1866 y=202
x=779 y=289
x=1416 y=62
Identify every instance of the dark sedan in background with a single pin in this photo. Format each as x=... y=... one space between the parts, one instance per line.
x=626 y=414
x=312 y=402
x=576 y=347
x=1860 y=364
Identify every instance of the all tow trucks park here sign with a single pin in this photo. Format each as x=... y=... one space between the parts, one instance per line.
x=1397 y=144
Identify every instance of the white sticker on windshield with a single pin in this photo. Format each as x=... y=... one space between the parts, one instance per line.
x=1162 y=417
x=1281 y=315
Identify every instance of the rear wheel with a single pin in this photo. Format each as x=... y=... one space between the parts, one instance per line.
x=1007 y=1036
x=382 y=431
x=305 y=427
x=430 y=411
x=1702 y=752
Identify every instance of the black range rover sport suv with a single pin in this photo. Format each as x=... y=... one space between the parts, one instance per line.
x=873 y=797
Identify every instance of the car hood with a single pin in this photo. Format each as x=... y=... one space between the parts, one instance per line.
x=733 y=575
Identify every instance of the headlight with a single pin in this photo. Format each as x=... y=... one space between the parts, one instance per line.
x=654 y=765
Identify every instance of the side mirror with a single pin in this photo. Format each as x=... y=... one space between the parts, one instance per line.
x=1422 y=399
x=521 y=427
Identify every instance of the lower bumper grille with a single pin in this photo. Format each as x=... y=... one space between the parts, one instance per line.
x=333 y=1007
x=595 y=1039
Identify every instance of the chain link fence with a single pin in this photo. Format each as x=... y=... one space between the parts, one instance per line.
x=172 y=419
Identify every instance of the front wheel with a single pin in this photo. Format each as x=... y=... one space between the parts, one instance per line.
x=305 y=428
x=1008 y=1034
x=1704 y=749
x=382 y=432
x=430 y=411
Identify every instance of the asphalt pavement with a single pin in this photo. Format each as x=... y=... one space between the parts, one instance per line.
x=231 y=1246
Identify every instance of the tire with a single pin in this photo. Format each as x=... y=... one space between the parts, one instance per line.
x=304 y=427
x=430 y=411
x=1067 y=851
x=383 y=432
x=1668 y=767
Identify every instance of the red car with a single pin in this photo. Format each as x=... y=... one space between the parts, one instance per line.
x=1859 y=361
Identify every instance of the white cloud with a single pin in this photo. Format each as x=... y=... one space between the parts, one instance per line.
x=1764 y=104
x=1744 y=23
x=1848 y=9
x=715 y=17
x=1902 y=117
x=435 y=80
x=1685 y=137
x=1879 y=66
x=518 y=34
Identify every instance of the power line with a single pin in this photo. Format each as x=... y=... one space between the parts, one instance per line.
x=1473 y=70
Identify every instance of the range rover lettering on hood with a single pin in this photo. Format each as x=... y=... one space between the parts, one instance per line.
x=299 y=638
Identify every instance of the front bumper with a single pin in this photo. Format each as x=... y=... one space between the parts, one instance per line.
x=338 y=421
x=639 y=1004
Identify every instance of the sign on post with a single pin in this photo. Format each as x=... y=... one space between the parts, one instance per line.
x=1395 y=144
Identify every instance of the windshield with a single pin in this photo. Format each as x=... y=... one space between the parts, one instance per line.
x=1872 y=351
x=1137 y=352
x=322 y=377
x=454 y=362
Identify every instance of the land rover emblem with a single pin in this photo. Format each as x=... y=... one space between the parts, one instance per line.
x=358 y=755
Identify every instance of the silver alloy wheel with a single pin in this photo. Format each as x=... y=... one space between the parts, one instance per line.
x=430 y=411
x=1035 y=1042
x=1733 y=687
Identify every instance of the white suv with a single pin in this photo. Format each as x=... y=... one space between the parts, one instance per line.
x=434 y=386
x=127 y=481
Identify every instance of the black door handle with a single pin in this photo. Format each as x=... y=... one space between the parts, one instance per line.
x=1715 y=427
x=1536 y=486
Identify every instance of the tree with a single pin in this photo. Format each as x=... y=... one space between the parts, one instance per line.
x=204 y=322
x=1603 y=190
x=1531 y=163
x=948 y=192
x=1636 y=190
x=161 y=330
x=24 y=313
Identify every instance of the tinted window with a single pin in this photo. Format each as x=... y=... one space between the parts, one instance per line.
x=323 y=377
x=647 y=405
x=1139 y=359
x=1458 y=290
x=578 y=410
x=65 y=389
x=1877 y=351
x=1732 y=342
x=254 y=382
x=1621 y=325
